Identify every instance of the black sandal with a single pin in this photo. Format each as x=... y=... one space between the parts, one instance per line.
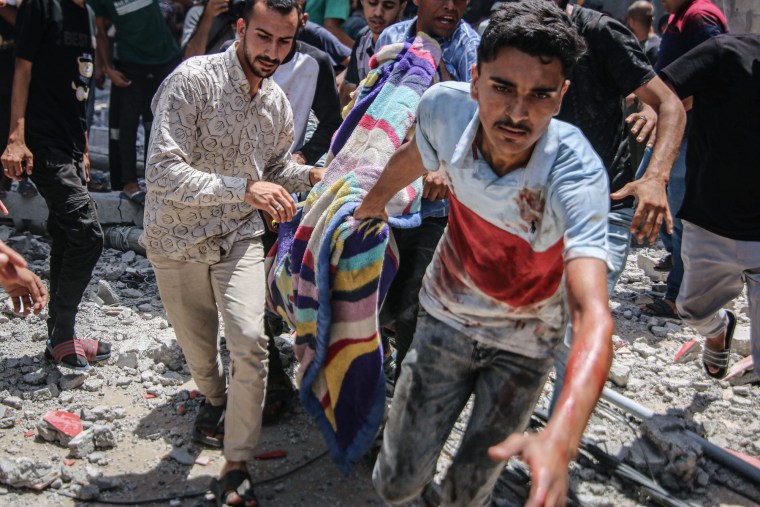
x=720 y=358
x=210 y=419
x=234 y=482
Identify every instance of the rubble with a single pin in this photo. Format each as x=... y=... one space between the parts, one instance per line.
x=138 y=407
x=27 y=473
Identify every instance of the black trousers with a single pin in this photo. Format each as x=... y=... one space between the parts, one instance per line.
x=127 y=105
x=402 y=303
x=76 y=234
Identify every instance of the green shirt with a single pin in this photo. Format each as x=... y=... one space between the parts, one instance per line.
x=142 y=35
x=319 y=10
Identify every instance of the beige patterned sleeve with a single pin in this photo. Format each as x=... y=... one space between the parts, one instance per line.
x=281 y=168
x=168 y=173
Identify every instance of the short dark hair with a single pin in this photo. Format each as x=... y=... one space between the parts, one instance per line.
x=642 y=12
x=536 y=27
x=282 y=6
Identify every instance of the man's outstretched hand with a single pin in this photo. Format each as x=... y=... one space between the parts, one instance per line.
x=548 y=462
x=652 y=210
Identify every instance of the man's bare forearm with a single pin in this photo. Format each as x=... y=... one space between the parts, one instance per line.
x=22 y=76
x=103 y=51
x=590 y=353
x=671 y=123
x=196 y=46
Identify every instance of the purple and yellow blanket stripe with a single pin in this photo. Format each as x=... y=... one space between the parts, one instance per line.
x=330 y=272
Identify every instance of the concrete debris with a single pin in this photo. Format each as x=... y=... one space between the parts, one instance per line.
x=619 y=374
x=647 y=264
x=83 y=444
x=27 y=473
x=72 y=381
x=86 y=492
x=681 y=452
x=103 y=436
x=182 y=456
x=107 y=294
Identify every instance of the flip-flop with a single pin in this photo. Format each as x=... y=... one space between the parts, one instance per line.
x=66 y=349
x=209 y=418
x=659 y=308
x=236 y=482
x=93 y=350
x=720 y=359
x=137 y=197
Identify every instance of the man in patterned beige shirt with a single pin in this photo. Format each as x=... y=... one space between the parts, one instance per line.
x=220 y=152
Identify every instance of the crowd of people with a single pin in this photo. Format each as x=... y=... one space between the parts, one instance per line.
x=554 y=133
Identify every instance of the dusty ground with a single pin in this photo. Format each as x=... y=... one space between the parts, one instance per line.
x=142 y=396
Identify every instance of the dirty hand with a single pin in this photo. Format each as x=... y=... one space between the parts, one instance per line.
x=644 y=125
x=434 y=186
x=651 y=209
x=548 y=462
x=271 y=198
x=16 y=159
x=27 y=292
x=365 y=211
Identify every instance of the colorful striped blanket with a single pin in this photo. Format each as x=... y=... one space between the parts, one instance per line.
x=330 y=273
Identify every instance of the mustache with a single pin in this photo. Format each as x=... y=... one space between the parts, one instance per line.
x=506 y=122
x=266 y=59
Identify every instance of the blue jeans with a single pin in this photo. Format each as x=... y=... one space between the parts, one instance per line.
x=618 y=246
x=676 y=192
x=442 y=369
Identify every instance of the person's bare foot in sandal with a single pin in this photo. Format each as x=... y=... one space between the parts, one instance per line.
x=234 y=486
x=717 y=352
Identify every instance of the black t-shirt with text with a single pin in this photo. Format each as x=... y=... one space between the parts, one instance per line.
x=58 y=37
x=722 y=171
x=612 y=68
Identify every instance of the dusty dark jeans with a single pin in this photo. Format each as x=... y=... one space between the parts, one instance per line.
x=442 y=369
x=76 y=234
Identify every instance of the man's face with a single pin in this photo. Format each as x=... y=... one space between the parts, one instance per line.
x=671 y=6
x=517 y=95
x=439 y=18
x=381 y=13
x=266 y=39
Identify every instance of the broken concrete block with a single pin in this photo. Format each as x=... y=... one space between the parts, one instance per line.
x=72 y=381
x=35 y=378
x=619 y=374
x=103 y=436
x=647 y=264
x=27 y=473
x=106 y=293
x=83 y=444
x=127 y=360
x=182 y=456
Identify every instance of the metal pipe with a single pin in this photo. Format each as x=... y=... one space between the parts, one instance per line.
x=711 y=450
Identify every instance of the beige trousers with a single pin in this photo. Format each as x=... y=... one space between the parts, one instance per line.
x=192 y=293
